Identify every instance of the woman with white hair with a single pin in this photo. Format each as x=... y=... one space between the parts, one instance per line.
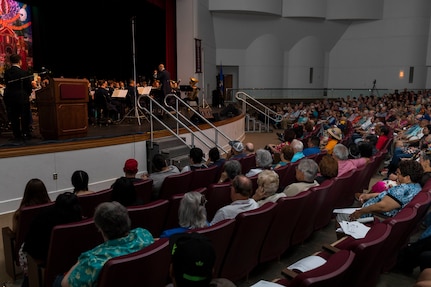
x=263 y=161
x=191 y=214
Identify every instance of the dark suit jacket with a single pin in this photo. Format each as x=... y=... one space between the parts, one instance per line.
x=17 y=92
x=164 y=77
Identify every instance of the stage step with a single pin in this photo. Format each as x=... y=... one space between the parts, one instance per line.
x=173 y=149
x=168 y=142
x=253 y=125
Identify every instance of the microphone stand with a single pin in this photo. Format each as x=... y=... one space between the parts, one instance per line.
x=26 y=77
x=138 y=114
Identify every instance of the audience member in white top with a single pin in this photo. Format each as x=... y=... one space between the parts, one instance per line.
x=196 y=160
x=306 y=173
x=240 y=192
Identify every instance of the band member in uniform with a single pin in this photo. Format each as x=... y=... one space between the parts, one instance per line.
x=192 y=95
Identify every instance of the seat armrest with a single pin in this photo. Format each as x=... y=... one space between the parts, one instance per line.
x=289 y=273
x=330 y=248
x=9 y=237
x=8 y=233
x=380 y=216
x=36 y=272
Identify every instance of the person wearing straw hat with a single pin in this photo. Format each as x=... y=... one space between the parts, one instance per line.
x=334 y=136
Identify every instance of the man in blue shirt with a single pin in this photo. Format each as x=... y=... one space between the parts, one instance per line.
x=313 y=144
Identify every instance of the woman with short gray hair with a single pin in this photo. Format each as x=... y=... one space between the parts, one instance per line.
x=306 y=172
x=264 y=161
x=191 y=214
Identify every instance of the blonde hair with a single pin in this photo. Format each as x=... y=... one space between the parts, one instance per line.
x=269 y=180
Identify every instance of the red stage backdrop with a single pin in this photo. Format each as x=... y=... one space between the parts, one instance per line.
x=15 y=33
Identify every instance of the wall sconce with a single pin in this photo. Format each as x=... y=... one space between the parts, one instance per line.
x=401 y=74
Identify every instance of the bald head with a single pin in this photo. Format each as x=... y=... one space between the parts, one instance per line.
x=249 y=148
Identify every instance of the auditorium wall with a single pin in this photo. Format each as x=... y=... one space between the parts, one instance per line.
x=348 y=46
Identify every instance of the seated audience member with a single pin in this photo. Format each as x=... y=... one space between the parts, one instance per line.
x=160 y=170
x=112 y=220
x=80 y=182
x=187 y=250
x=288 y=136
x=267 y=186
x=313 y=146
x=240 y=193
x=237 y=150
x=425 y=141
x=214 y=158
x=249 y=148
x=383 y=133
x=399 y=154
x=35 y=193
x=372 y=141
x=36 y=243
x=425 y=161
x=263 y=161
x=391 y=201
x=305 y=175
x=341 y=154
x=365 y=149
x=191 y=214
x=413 y=254
x=297 y=146
x=130 y=170
x=328 y=168
x=231 y=169
x=335 y=135
x=123 y=191
x=415 y=132
x=196 y=160
x=286 y=156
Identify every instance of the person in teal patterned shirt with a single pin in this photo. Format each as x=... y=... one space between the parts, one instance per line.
x=113 y=221
x=391 y=201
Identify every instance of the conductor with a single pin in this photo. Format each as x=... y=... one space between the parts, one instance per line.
x=164 y=77
x=16 y=97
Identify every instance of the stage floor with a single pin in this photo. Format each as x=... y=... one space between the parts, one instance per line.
x=126 y=127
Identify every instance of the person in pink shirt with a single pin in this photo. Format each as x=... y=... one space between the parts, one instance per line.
x=341 y=154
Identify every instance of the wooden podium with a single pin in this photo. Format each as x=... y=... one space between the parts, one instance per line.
x=63 y=108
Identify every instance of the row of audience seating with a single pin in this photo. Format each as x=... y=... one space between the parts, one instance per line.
x=275 y=236
x=359 y=262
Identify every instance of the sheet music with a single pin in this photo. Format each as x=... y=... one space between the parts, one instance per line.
x=119 y=94
x=144 y=90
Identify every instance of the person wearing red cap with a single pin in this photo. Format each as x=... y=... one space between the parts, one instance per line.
x=131 y=169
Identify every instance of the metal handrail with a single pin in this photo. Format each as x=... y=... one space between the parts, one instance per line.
x=259 y=107
x=186 y=124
